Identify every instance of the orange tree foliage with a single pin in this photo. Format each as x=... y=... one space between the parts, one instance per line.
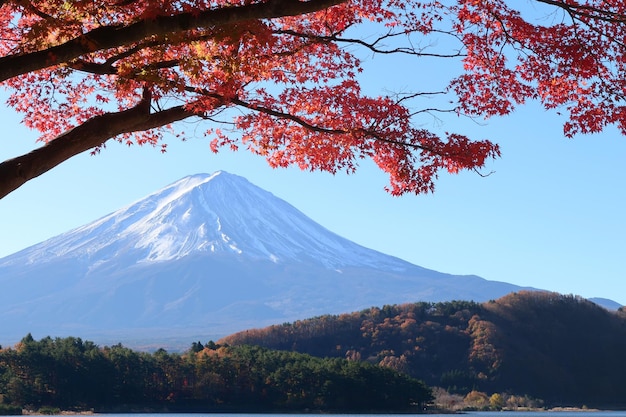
x=83 y=72
x=562 y=349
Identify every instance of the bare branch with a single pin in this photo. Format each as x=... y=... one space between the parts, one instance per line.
x=373 y=46
x=591 y=12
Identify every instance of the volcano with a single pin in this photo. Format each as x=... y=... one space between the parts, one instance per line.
x=207 y=255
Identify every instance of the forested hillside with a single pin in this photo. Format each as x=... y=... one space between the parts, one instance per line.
x=559 y=348
x=68 y=373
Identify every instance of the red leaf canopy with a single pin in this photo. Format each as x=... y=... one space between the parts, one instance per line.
x=286 y=75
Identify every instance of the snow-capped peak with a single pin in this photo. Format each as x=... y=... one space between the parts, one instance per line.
x=217 y=214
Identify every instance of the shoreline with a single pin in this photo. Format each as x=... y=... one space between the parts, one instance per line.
x=434 y=411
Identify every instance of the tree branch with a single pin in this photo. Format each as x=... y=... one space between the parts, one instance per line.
x=107 y=37
x=590 y=12
x=373 y=46
x=305 y=124
x=91 y=134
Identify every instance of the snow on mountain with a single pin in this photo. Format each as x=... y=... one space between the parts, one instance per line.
x=207 y=255
x=219 y=213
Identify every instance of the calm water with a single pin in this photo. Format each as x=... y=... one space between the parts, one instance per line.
x=469 y=414
x=547 y=414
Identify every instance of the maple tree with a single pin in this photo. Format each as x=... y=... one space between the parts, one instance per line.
x=83 y=72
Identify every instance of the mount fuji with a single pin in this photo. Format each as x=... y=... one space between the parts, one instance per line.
x=207 y=255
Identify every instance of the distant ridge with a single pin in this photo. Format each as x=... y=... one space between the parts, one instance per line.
x=208 y=254
x=606 y=303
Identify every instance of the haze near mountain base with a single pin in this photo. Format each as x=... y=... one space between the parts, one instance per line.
x=207 y=255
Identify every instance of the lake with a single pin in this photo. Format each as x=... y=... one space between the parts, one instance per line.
x=468 y=414
x=544 y=413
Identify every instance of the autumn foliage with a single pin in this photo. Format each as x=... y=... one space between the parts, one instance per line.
x=562 y=349
x=282 y=78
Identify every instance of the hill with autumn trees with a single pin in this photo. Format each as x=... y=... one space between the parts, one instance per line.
x=562 y=349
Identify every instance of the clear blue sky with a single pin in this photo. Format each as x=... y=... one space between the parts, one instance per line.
x=551 y=216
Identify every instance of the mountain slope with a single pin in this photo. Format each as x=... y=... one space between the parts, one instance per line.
x=219 y=213
x=208 y=254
